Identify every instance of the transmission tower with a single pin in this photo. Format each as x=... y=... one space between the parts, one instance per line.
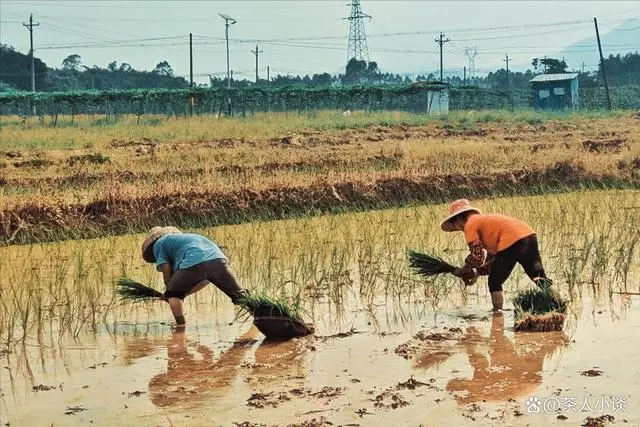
x=471 y=53
x=357 y=37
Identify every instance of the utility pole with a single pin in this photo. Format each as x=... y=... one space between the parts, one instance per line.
x=583 y=68
x=268 y=79
x=464 y=76
x=30 y=26
x=604 y=75
x=191 y=72
x=93 y=75
x=506 y=59
x=441 y=41
x=256 y=53
x=228 y=21
x=190 y=60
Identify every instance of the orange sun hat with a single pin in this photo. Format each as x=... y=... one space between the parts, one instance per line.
x=457 y=207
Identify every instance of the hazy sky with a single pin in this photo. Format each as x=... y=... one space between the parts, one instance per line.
x=306 y=36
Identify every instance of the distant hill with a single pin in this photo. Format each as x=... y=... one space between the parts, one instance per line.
x=622 y=40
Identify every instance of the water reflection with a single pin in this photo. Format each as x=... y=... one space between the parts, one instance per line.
x=502 y=368
x=194 y=373
x=189 y=374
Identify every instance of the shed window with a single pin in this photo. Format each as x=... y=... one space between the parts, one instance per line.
x=558 y=91
x=543 y=94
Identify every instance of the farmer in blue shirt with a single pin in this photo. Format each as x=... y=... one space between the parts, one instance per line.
x=188 y=262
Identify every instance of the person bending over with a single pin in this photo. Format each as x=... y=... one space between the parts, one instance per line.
x=188 y=262
x=496 y=244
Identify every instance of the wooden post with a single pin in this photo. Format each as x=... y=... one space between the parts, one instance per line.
x=604 y=75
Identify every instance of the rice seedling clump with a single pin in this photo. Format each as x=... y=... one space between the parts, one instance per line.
x=541 y=310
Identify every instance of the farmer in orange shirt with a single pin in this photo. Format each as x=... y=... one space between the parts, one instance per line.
x=505 y=240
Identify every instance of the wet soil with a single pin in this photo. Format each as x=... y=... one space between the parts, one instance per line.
x=459 y=366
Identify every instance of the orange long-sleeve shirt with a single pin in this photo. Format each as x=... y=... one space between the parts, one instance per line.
x=495 y=232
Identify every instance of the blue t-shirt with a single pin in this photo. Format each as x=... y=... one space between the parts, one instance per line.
x=184 y=250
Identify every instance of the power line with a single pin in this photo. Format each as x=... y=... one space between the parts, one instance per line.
x=91 y=27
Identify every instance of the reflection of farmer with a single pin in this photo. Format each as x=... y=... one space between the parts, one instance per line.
x=506 y=240
x=188 y=262
x=188 y=375
x=277 y=357
x=510 y=370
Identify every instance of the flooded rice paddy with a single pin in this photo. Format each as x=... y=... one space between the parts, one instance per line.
x=390 y=348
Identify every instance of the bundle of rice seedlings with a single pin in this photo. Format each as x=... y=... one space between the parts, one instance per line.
x=264 y=306
x=275 y=318
x=540 y=309
x=427 y=265
x=130 y=290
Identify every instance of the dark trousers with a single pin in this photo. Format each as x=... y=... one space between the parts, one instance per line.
x=216 y=271
x=524 y=252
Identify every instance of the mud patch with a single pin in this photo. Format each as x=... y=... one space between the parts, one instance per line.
x=248 y=424
x=44 y=387
x=410 y=384
x=600 y=421
x=339 y=335
x=615 y=145
x=326 y=392
x=591 y=373
x=72 y=410
x=410 y=348
x=389 y=399
x=322 y=421
x=261 y=400
x=33 y=163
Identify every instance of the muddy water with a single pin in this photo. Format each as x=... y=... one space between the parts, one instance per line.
x=475 y=371
x=390 y=349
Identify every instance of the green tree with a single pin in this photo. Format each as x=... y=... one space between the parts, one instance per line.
x=15 y=69
x=72 y=63
x=164 y=69
x=550 y=65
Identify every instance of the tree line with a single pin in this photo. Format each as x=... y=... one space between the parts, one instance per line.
x=72 y=75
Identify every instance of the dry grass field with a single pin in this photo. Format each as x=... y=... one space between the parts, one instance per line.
x=90 y=179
